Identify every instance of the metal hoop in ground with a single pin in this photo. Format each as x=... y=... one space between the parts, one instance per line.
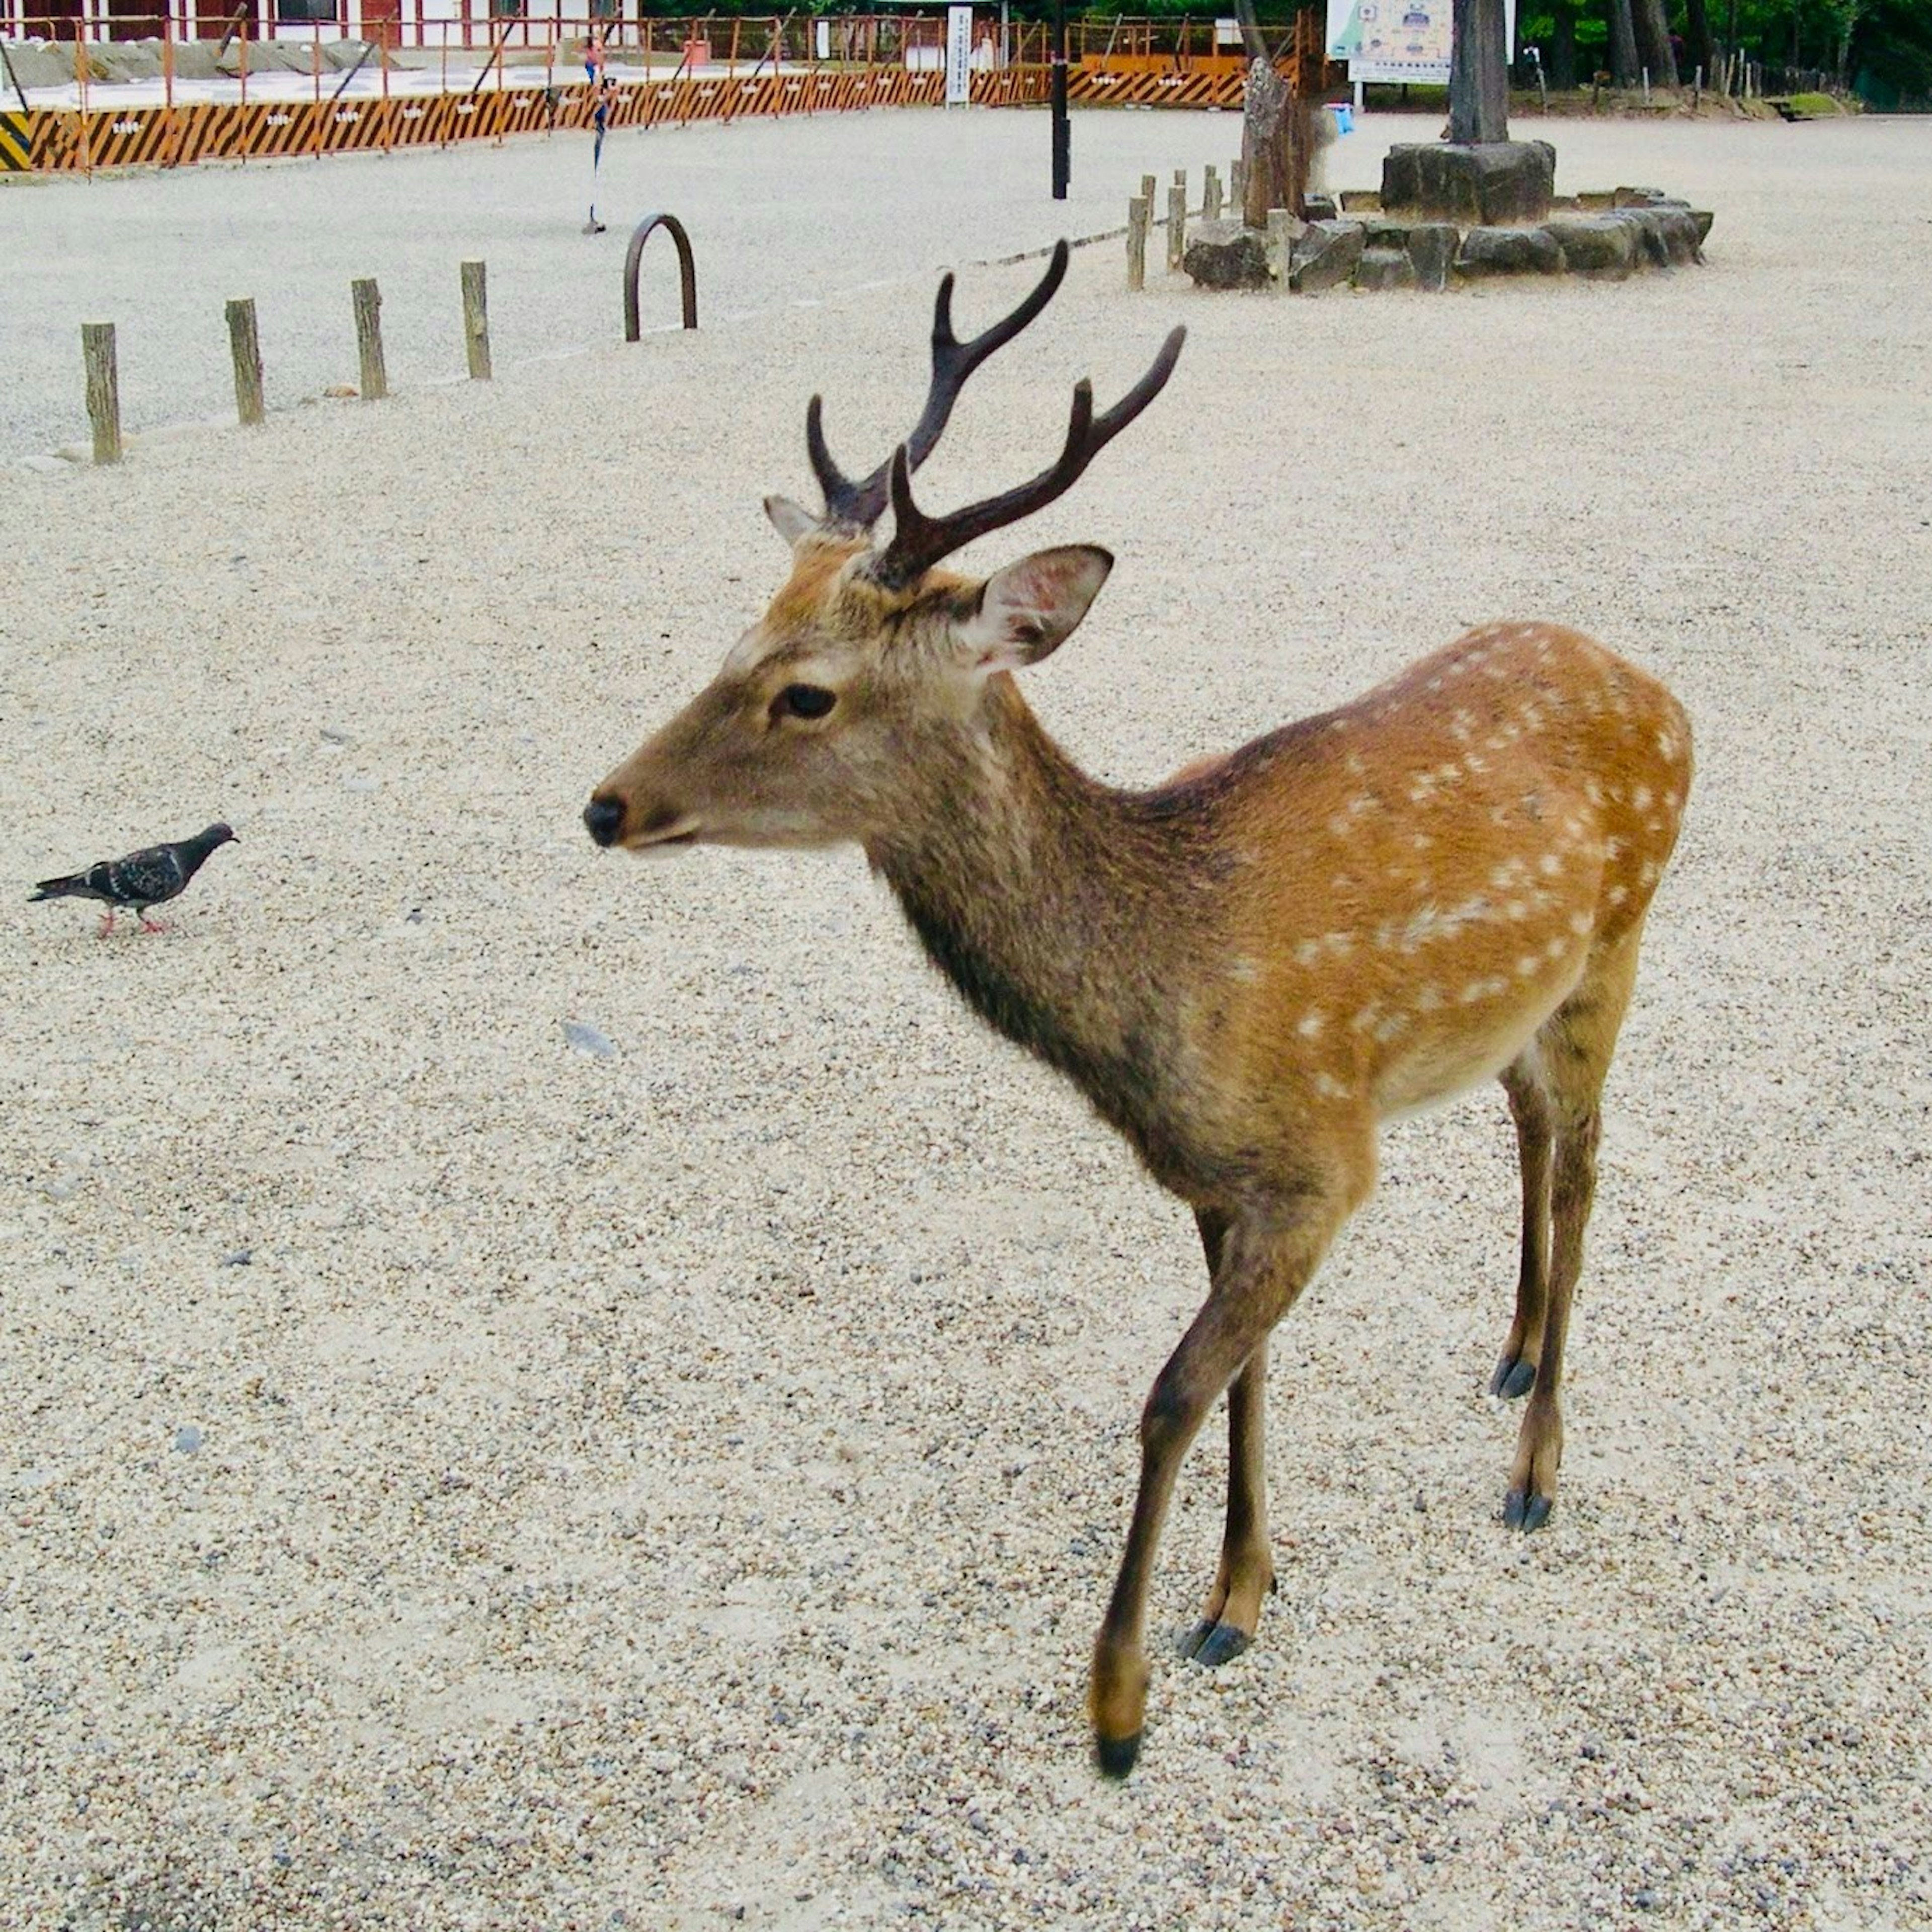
x=687 y=268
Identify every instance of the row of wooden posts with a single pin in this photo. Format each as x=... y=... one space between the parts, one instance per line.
x=103 y=376
x=1140 y=219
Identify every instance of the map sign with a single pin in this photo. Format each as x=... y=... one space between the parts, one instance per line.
x=1398 y=39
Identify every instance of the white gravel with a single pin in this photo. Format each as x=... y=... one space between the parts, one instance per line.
x=457 y=1476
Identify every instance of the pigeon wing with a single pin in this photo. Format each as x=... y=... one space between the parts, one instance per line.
x=147 y=876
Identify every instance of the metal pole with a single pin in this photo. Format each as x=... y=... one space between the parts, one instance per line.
x=1063 y=135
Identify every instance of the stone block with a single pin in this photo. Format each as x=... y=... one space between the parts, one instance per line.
x=1380 y=268
x=1432 y=249
x=1227 y=255
x=1325 y=255
x=1321 y=208
x=1479 y=184
x=1510 y=251
x=1638 y=197
x=1601 y=245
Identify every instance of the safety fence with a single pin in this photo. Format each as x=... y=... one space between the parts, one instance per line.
x=59 y=139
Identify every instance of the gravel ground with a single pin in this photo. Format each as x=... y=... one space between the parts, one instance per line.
x=778 y=212
x=456 y=1479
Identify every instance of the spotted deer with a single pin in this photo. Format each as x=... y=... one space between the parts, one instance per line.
x=1245 y=970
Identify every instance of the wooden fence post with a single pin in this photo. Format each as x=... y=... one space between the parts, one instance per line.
x=368 y=302
x=1280 y=246
x=245 y=346
x=1177 y=224
x=1137 y=235
x=1210 y=194
x=476 y=320
x=103 y=388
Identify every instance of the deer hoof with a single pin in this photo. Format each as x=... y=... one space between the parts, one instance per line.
x=1115 y=1757
x=1515 y=1376
x=1209 y=1643
x=1526 y=1512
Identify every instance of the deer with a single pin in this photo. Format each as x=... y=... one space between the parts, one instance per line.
x=1245 y=970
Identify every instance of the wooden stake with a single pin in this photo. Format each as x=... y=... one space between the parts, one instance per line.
x=1177 y=224
x=476 y=320
x=246 y=348
x=1147 y=185
x=1238 y=183
x=1280 y=246
x=368 y=301
x=1137 y=236
x=1210 y=194
x=103 y=388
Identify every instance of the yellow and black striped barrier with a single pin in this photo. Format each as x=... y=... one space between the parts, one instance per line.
x=58 y=139
x=16 y=143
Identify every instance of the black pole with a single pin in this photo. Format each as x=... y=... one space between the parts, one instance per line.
x=1063 y=135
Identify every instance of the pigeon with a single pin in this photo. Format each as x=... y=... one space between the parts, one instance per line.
x=142 y=879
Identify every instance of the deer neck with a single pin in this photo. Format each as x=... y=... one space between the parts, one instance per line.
x=1055 y=905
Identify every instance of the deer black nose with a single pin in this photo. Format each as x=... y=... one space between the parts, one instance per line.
x=604 y=818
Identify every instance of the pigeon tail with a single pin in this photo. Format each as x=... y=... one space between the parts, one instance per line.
x=76 y=886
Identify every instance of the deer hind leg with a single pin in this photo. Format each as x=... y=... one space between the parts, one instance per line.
x=1264 y=1262
x=1529 y=1108
x=1572 y=1057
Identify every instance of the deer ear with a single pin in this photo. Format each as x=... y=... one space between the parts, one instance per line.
x=1030 y=609
x=791 y=520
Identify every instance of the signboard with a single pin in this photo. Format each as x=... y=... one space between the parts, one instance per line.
x=1398 y=39
x=1227 y=34
x=958 y=56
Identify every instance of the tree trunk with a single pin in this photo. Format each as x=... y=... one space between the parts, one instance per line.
x=1269 y=177
x=1268 y=162
x=1562 y=69
x=1698 y=48
x=1653 y=40
x=1479 y=72
x=1623 y=45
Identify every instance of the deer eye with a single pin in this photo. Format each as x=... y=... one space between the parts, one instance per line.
x=803 y=701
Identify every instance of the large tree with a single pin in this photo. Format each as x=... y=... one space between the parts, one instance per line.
x=1653 y=40
x=1623 y=45
x=1479 y=72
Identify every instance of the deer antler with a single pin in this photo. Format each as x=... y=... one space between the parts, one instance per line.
x=918 y=541
x=859 y=506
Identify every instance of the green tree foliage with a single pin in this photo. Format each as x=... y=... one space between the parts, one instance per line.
x=1883 y=46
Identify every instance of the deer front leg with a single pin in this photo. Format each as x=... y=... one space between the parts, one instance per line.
x=1246 y=1576
x=1265 y=1264
x=1232 y=1613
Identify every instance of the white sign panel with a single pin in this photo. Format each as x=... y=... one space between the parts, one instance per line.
x=1398 y=39
x=958 y=56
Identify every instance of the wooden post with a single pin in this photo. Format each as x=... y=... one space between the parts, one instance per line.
x=245 y=346
x=1138 y=211
x=476 y=320
x=1210 y=194
x=1177 y=224
x=368 y=302
x=1237 y=182
x=103 y=388
x=1147 y=184
x=1280 y=246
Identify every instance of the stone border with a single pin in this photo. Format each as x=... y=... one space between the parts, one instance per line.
x=1602 y=237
